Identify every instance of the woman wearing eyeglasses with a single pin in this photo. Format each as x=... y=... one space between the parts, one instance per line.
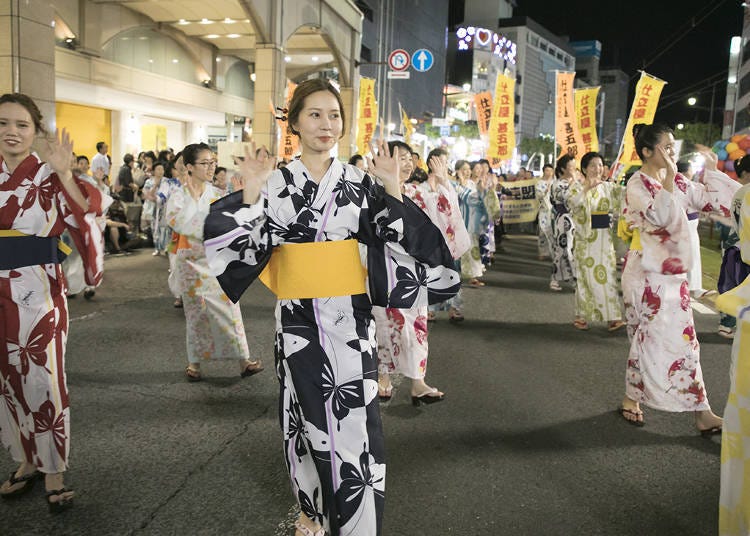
x=214 y=324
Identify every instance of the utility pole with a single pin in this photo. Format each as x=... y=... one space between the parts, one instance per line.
x=711 y=115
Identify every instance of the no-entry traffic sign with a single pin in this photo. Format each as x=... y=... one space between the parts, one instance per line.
x=399 y=60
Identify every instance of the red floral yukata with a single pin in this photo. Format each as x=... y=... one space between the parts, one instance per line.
x=34 y=405
x=663 y=370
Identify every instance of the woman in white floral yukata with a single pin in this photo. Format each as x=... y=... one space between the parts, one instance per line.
x=214 y=324
x=402 y=333
x=663 y=367
x=597 y=289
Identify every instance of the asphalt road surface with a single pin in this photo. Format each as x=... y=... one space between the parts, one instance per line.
x=527 y=441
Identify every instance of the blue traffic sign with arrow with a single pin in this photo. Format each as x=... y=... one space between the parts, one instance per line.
x=422 y=60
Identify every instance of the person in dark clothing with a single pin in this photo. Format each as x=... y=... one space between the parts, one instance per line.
x=126 y=188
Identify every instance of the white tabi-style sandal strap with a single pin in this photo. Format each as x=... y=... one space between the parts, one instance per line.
x=307 y=532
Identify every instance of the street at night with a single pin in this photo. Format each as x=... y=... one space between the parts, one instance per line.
x=527 y=441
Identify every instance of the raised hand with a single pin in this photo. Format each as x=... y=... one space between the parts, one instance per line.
x=670 y=168
x=711 y=158
x=385 y=166
x=237 y=183
x=57 y=153
x=439 y=169
x=254 y=172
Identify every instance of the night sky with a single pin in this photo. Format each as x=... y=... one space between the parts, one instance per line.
x=634 y=32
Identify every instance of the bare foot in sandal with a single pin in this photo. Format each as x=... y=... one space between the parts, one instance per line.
x=630 y=411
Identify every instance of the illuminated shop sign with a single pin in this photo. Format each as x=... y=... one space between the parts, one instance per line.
x=482 y=38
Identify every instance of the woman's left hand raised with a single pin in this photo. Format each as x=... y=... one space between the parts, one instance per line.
x=58 y=153
x=385 y=166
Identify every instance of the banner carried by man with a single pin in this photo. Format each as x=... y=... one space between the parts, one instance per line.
x=585 y=99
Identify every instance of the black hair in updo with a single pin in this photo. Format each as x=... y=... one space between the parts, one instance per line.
x=742 y=164
x=647 y=136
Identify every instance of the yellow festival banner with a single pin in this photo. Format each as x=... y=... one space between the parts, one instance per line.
x=483 y=103
x=523 y=206
x=289 y=145
x=502 y=136
x=647 y=93
x=567 y=135
x=408 y=127
x=368 y=114
x=586 y=117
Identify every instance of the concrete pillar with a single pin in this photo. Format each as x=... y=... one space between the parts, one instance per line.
x=27 y=52
x=348 y=144
x=270 y=78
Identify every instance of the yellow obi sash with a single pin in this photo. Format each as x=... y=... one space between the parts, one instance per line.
x=636 y=242
x=628 y=234
x=315 y=270
x=12 y=233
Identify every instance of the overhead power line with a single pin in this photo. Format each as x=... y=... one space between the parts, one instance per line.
x=684 y=29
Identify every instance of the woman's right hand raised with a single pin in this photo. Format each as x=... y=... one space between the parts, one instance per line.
x=670 y=168
x=254 y=172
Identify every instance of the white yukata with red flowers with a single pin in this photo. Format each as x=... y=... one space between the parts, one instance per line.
x=663 y=370
x=34 y=410
x=402 y=333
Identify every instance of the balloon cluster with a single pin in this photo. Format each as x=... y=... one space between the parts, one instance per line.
x=729 y=151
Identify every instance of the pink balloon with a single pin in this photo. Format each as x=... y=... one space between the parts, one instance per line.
x=747 y=150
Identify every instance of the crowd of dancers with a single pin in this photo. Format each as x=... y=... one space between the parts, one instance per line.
x=395 y=252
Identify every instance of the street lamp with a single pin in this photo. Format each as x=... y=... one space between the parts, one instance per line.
x=691 y=101
x=680 y=126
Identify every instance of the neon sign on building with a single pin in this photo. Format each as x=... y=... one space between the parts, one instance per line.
x=482 y=38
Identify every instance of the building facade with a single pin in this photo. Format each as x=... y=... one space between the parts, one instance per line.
x=737 y=115
x=409 y=25
x=145 y=75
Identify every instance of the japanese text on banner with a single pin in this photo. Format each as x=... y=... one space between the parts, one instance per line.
x=368 y=114
x=523 y=206
x=647 y=93
x=502 y=136
x=567 y=134
x=289 y=142
x=483 y=103
x=586 y=117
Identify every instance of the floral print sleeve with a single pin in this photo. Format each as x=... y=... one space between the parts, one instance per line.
x=400 y=238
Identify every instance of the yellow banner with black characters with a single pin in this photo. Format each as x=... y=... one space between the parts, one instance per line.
x=368 y=114
x=567 y=135
x=647 y=93
x=520 y=206
x=502 y=136
x=586 y=117
x=289 y=146
x=483 y=103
